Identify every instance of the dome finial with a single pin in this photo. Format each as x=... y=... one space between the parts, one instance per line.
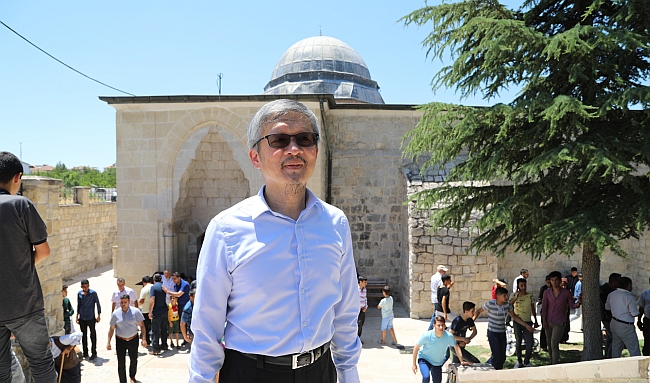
x=320 y=30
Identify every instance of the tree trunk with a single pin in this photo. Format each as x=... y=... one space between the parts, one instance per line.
x=593 y=347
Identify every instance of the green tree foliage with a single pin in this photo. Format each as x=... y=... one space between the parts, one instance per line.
x=565 y=164
x=82 y=177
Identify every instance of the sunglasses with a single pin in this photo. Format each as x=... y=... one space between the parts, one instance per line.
x=280 y=140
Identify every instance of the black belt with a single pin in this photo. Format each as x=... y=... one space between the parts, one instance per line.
x=618 y=320
x=293 y=360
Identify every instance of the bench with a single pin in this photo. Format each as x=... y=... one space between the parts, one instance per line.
x=374 y=287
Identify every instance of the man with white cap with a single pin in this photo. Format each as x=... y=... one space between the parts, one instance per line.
x=436 y=281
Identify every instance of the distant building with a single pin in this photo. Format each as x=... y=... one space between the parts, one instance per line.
x=41 y=168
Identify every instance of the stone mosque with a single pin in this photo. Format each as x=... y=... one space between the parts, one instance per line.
x=183 y=159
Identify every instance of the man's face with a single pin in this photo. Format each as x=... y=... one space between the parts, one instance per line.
x=442 y=272
x=502 y=298
x=440 y=328
x=363 y=284
x=64 y=293
x=447 y=282
x=120 y=285
x=167 y=274
x=192 y=298
x=85 y=288
x=526 y=274
x=290 y=166
x=124 y=304
x=548 y=283
x=555 y=282
x=176 y=280
x=470 y=313
x=574 y=273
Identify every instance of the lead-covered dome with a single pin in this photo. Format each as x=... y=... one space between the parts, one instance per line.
x=323 y=64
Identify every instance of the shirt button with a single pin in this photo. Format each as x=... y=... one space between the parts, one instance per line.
x=304 y=324
x=300 y=257
x=302 y=291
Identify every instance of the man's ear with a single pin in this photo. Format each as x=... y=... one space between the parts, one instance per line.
x=255 y=158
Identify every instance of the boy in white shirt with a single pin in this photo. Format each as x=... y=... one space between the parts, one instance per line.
x=386 y=307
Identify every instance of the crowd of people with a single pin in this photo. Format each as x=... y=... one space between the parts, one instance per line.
x=558 y=304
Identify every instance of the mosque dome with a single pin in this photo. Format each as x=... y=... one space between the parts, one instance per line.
x=323 y=64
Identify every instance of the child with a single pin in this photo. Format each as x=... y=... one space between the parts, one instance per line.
x=68 y=311
x=524 y=306
x=386 y=307
x=459 y=327
x=429 y=352
x=498 y=309
x=442 y=307
x=174 y=322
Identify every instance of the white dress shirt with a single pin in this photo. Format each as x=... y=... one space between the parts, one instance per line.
x=280 y=286
x=622 y=304
x=436 y=281
x=117 y=294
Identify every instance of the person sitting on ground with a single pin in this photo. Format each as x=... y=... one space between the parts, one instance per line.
x=386 y=307
x=524 y=305
x=459 y=327
x=498 y=309
x=429 y=352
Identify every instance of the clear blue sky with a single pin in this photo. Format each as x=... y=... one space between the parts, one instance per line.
x=177 y=48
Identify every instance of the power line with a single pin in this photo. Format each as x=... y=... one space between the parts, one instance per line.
x=35 y=46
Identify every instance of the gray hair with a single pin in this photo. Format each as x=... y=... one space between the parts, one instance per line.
x=272 y=111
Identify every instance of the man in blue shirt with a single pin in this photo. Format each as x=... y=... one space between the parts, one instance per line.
x=158 y=316
x=278 y=269
x=186 y=319
x=429 y=352
x=181 y=290
x=86 y=301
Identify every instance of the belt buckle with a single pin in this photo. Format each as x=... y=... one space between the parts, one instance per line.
x=294 y=359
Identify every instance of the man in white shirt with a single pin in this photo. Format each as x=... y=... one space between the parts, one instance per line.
x=624 y=309
x=278 y=270
x=168 y=283
x=644 y=310
x=436 y=281
x=121 y=290
x=145 y=300
x=523 y=274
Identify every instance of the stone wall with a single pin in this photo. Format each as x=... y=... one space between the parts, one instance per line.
x=80 y=237
x=473 y=273
x=369 y=185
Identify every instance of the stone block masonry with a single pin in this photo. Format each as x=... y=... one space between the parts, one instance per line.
x=80 y=236
x=473 y=273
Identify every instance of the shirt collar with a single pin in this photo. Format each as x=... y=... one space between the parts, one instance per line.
x=260 y=206
x=4 y=191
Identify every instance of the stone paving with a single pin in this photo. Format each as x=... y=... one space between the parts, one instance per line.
x=378 y=363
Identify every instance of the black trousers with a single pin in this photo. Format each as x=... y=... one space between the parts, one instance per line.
x=85 y=326
x=159 y=327
x=238 y=368
x=646 y=335
x=121 y=346
x=147 y=327
x=360 y=322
